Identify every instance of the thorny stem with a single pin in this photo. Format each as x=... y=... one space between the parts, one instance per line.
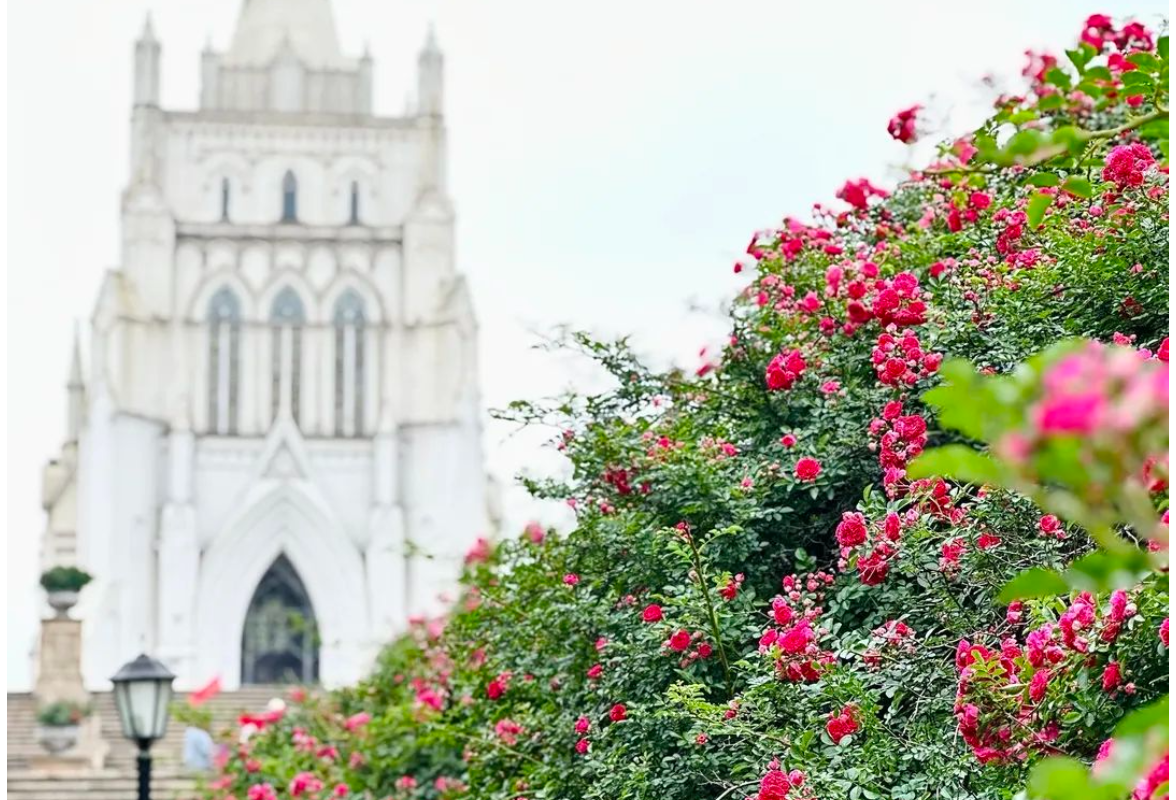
x=711 y=613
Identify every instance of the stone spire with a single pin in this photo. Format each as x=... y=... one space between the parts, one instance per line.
x=264 y=25
x=147 y=53
x=430 y=77
x=75 y=390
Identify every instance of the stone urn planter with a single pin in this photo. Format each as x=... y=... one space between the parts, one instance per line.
x=57 y=739
x=61 y=585
x=59 y=725
x=61 y=601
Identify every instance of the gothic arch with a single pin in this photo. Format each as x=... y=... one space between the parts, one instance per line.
x=289 y=279
x=350 y=280
x=281 y=519
x=213 y=283
x=279 y=640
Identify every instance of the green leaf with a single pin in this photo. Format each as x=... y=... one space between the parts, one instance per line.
x=1081 y=57
x=1073 y=137
x=1043 y=179
x=956 y=461
x=1024 y=143
x=1079 y=187
x=1035 y=582
x=1057 y=77
x=1051 y=102
x=1060 y=778
x=1104 y=571
x=1162 y=47
x=1145 y=61
x=1035 y=211
x=1156 y=129
x=1153 y=716
x=959 y=399
x=1090 y=88
x=1136 y=82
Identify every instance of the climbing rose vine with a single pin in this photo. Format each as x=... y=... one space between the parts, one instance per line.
x=905 y=537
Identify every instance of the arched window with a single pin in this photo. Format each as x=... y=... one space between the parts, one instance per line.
x=289 y=197
x=287 y=318
x=279 y=641
x=353 y=215
x=224 y=345
x=349 y=366
x=224 y=199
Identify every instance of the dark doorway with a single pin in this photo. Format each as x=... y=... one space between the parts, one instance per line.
x=279 y=643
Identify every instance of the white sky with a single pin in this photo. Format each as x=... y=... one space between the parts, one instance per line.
x=608 y=160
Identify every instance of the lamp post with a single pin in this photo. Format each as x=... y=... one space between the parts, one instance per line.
x=142 y=692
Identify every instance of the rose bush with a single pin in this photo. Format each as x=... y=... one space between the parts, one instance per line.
x=881 y=548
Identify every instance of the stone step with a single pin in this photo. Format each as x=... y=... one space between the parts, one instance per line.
x=117 y=780
x=98 y=786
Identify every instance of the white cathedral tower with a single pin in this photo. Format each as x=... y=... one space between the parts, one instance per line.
x=274 y=458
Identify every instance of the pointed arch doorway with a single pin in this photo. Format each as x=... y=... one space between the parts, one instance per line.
x=279 y=641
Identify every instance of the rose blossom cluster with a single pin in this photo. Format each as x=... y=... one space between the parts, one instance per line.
x=969 y=212
x=792 y=642
x=1126 y=165
x=899 y=360
x=1101 y=390
x=902 y=125
x=1099 y=30
x=1098 y=404
x=1150 y=784
x=790 y=241
x=873 y=545
x=897 y=438
x=784 y=370
x=894 y=301
x=776 y=784
x=858 y=193
x=842 y=723
x=1001 y=695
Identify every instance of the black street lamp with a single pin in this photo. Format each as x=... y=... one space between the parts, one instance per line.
x=142 y=692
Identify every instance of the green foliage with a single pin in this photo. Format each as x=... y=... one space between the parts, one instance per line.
x=62 y=713
x=64 y=579
x=657 y=650
x=191 y=716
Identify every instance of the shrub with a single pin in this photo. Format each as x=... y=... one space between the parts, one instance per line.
x=64 y=579
x=62 y=713
x=191 y=716
x=896 y=541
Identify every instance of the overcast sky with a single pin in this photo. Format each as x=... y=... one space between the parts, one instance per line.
x=608 y=161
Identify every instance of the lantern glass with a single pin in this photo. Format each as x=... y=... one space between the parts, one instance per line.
x=142 y=693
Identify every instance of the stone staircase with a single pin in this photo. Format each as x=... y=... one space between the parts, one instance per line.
x=102 y=786
x=117 y=780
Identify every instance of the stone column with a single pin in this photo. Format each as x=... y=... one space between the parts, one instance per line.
x=59 y=663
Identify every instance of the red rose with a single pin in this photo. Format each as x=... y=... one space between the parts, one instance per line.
x=652 y=613
x=807 y=469
x=618 y=712
x=679 y=641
